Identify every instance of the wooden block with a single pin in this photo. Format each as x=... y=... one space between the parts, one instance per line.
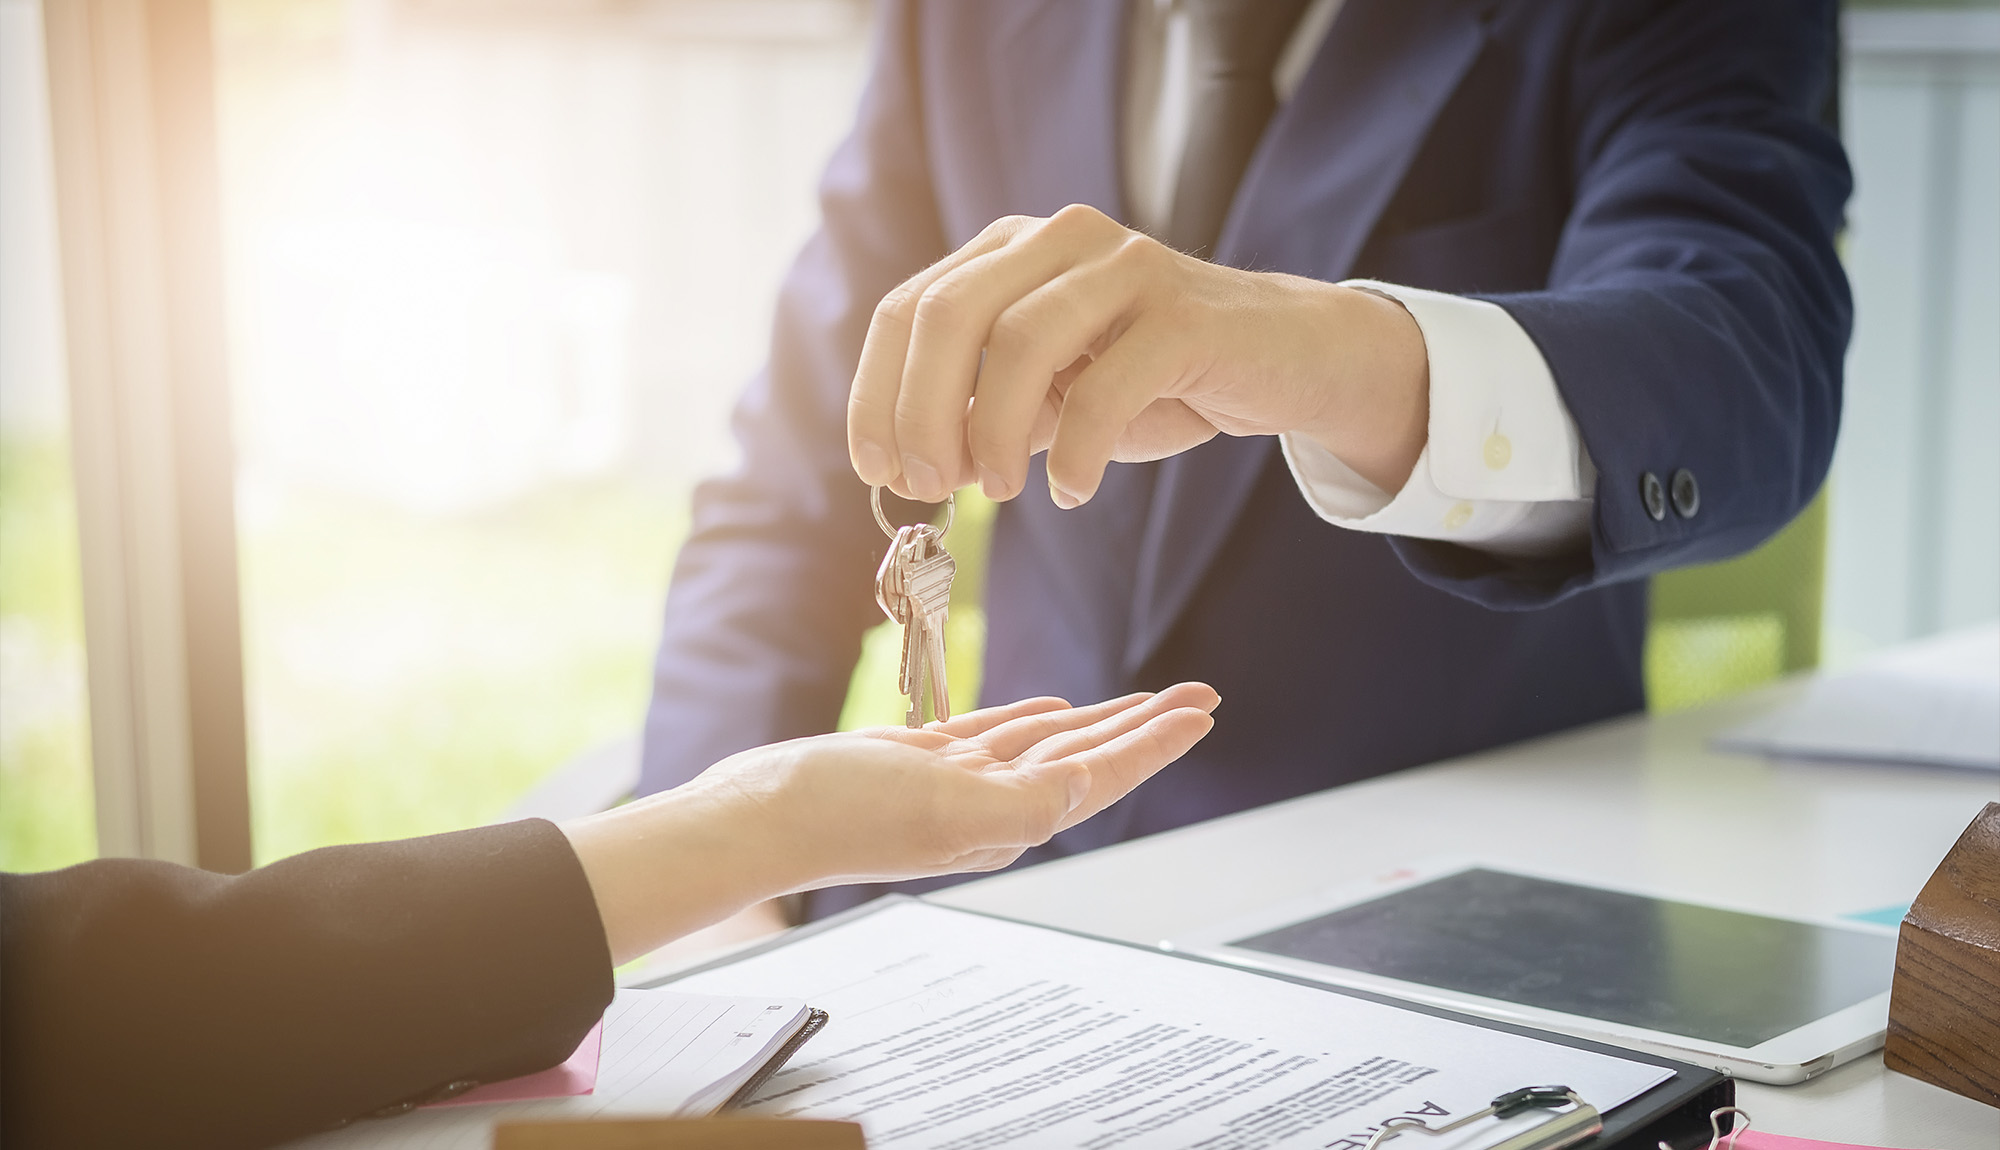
x=680 y=1134
x=1944 y=1005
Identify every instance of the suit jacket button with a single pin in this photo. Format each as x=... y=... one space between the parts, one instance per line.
x=1653 y=494
x=1687 y=495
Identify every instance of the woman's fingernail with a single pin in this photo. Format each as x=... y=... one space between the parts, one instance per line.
x=1063 y=499
x=872 y=462
x=991 y=484
x=923 y=479
x=1079 y=789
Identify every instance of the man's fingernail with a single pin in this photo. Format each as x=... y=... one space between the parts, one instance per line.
x=1079 y=789
x=873 y=461
x=923 y=479
x=1063 y=499
x=991 y=484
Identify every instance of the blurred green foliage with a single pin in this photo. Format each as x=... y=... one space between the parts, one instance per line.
x=412 y=673
x=46 y=817
x=1694 y=661
x=1725 y=627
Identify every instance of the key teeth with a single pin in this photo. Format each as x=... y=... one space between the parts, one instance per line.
x=934 y=662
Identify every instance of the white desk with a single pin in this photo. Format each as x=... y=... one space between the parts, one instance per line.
x=1636 y=801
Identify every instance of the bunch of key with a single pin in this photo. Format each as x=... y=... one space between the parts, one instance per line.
x=913 y=587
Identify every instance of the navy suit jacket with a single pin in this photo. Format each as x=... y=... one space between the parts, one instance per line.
x=1646 y=186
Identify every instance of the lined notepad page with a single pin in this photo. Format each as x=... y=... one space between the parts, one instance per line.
x=666 y=1053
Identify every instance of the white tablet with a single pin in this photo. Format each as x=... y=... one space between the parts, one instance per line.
x=1768 y=999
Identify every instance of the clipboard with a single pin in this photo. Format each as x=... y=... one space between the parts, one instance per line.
x=815 y=1022
x=1675 y=1113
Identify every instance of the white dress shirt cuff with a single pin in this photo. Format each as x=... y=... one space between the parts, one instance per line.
x=1504 y=469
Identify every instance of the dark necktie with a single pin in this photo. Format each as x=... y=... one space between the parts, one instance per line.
x=1235 y=45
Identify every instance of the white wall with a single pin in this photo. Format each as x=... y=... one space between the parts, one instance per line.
x=32 y=395
x=1915 y=532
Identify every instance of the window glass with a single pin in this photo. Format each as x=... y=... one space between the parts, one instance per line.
x=496 y=274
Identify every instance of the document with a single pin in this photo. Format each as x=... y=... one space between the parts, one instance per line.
x=1931 y=703
x=954 y=1031
x=665 y=1053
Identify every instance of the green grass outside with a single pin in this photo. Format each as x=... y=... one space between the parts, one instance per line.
x=45 y=789
x=411 y=674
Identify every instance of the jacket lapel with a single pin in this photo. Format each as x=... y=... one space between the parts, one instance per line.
x=1325 y=170
x=1336 y=152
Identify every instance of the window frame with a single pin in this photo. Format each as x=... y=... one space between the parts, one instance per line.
x=132 y=109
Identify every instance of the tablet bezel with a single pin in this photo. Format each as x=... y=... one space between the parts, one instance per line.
x=1793 y=1056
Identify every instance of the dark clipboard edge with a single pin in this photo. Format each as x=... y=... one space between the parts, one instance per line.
x=1675 y=1112
x=814 y=1023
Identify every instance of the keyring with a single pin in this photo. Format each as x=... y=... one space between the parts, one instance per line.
x=882 y=521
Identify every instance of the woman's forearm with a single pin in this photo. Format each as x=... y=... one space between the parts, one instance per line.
x=965 y=795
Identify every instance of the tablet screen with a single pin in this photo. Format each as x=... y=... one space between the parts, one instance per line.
x=1718 y=975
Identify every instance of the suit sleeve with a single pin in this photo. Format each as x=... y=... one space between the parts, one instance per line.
x=1696 y=313
x=148 y=1004
x=774 y=586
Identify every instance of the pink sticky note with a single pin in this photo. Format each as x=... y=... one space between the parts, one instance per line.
x=576 y=1075
x=1754 y=1139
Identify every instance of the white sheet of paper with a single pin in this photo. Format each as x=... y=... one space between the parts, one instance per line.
x=662 y=1050
x=1931 y=703
x=954 y=1031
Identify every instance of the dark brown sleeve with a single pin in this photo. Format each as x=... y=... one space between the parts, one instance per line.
x=148 y=1004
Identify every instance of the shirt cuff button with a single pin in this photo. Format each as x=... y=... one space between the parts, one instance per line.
x=1499 y=452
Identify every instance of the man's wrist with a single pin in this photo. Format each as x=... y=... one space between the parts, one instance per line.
x=1377 y=410
x=1503 y=468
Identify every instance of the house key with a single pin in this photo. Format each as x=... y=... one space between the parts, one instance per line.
x=913 y=588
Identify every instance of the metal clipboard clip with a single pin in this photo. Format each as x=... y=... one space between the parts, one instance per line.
x=1565 y=1128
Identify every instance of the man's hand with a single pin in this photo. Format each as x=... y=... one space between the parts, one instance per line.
x=1078 y=335
x=890 y=803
